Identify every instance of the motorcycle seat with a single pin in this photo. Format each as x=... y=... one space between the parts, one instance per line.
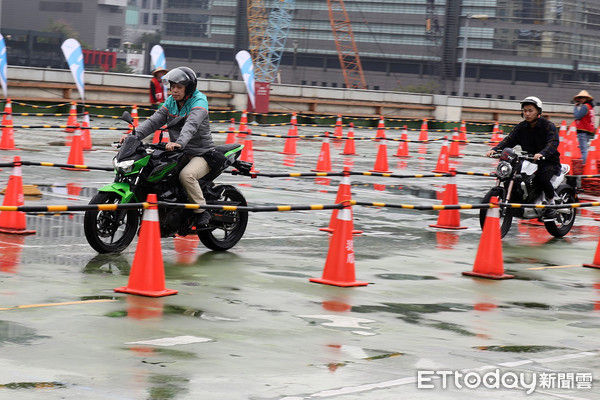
x=226 y=148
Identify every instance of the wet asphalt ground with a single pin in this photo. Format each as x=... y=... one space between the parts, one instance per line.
x=248 y=324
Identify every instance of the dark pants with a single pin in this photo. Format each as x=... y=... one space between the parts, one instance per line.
x=543 y=175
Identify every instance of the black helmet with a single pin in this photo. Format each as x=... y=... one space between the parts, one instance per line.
x=183 y=76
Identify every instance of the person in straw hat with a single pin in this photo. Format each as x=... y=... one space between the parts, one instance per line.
x=585 y=120
x=158 y=91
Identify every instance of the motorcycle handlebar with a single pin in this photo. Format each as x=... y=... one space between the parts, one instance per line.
x=524 y=156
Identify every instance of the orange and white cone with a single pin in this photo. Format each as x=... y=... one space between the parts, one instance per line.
x=324 y=162
x=572 y=133
x=72 y=119
x=86 y=136
x=243 y=125
x=496 y=137
x=443 y=160
x=147 y=276
x=8 y=133
x=76 y=153
x=489 y=262
x=231 y=132
x=591 y=164
x=135 y=116
x=338 y=132
x=247 y=153
x=344 y=194
x=424 y=135
x=157 y=135
x=14 y=221
x=380 y=129
x=381 y=162
x=463 y=131
x=339 y=266
x=349 y=145
x=454 y=147
x=403 y=145
x=290 y=142
x=449 y=219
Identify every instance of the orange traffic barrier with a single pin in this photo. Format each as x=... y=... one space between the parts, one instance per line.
x=380 y=129
x=488 y=262
x=76 y=153
x=14 y=221
x=349 y=145
x=324 y=162
x=8 y=139
x=339 y=266
x=147 y=276
x=231 y=132
x=72 y=119
x=449 y=219
x=403 y=145
x=381 y=162
x=443 y=160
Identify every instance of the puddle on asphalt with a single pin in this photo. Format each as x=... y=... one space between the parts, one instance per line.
x=406 y=277
x=12 y=332
x=521 y=348
x=166 y=387
x=288 y=274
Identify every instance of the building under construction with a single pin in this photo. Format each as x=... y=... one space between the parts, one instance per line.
x=514 y=48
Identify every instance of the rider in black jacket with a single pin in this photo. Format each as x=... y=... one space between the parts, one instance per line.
x=537 y=136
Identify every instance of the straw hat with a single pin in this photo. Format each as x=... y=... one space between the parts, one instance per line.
x=159 y=69
x=583 y=93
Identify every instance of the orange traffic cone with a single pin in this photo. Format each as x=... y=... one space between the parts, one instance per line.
x=496 y=137
x=565 y=153
x=344 y=194
x=488 y=262
x=380 y=129
x=157 y=135
x=463 y=131
x=454 y=147
x=562 y=132
x=8 y=139
x=324 y=162
x=11 y=247
x=290 y=143
x=86 y=137
x=423 y=136
x=76 y=153
x=591 y=165
x=72 y=119
x=349 y=145
x=572 y=133
x=403 y=145
x=442 y=163
x=338 y=132
x=339 y=266
x=381 y=162
x=248 y=151
x=14 y=221
x=596 y=262
x=449 y=219
x=231 y=132
x=243 y=125
x=147 y=276
x=134 y=114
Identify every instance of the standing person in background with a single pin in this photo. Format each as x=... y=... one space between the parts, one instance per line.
x=158 y=91
x=585 y=121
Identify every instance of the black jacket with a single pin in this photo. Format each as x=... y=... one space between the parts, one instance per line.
x=541 y=138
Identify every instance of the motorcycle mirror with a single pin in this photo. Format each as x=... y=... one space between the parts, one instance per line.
x=127 y=117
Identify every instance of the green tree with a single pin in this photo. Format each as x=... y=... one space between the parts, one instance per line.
x=61 y=26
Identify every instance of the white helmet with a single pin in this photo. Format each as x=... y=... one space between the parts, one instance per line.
x=532 y=100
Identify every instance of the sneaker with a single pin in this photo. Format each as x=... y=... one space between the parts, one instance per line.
x=202 y=219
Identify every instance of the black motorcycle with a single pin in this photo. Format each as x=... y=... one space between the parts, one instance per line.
x=143 y=168
x=514 y=184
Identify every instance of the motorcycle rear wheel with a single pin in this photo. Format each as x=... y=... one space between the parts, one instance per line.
x=565 y=217
x=110 y=231
x=226 y=234
x=505 y=212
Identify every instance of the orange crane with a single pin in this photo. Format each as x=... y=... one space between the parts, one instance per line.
x=345 y=45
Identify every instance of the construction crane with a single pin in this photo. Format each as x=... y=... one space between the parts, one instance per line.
x=268 y=43
x=345 y=45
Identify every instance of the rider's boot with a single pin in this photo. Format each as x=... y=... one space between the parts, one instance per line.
x=201 y=219
x=550 y=214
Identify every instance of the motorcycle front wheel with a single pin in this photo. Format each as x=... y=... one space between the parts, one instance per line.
x=227 y=227
x=565 y=217
x=505 y=212
x=109 y=231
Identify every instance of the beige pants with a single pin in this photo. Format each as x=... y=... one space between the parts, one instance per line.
x=189 y=175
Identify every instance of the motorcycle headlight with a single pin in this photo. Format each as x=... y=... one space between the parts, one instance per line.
x=503 y=170
x=123 y=166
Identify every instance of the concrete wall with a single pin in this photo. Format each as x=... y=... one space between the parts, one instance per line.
x=111 y=88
